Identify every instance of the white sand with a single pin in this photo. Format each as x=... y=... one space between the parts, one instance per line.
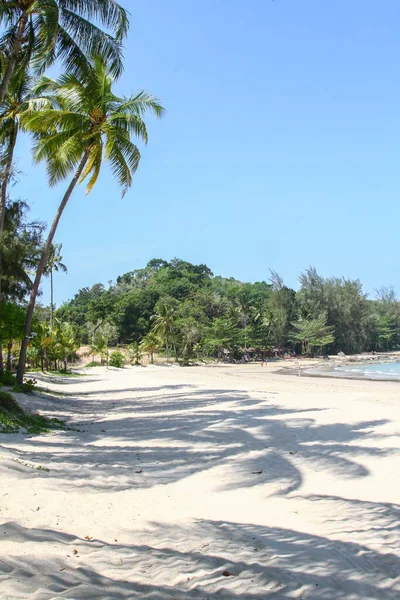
x=290 y=484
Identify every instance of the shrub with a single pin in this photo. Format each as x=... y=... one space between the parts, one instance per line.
x=26 y=388
x=7 y=378
x=8 y=402
x=94 y=363
x=117 y=359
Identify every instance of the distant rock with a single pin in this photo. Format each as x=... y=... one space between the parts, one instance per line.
x=341 y=354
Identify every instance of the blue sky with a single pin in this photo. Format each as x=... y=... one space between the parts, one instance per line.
x=279 y=148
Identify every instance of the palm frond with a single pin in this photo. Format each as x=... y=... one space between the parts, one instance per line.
x=91 y=40
x=141 y=104
x=109 y=12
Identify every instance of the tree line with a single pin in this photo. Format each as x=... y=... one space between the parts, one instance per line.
x=186 y=312
x=75 y=123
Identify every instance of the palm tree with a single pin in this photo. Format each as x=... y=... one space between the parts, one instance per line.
x=54 y=264
x=47 y=30
x=90 y=125
x=135 y=353
x=149 y=345
x=65 y=342
x=164 y=320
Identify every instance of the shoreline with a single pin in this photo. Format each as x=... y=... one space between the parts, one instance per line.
x=325 y=368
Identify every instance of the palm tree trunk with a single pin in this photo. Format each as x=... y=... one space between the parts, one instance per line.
x=12 y=61
x=51 y=298
x=39 y=273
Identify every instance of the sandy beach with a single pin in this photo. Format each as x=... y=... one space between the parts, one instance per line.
x=204 y=482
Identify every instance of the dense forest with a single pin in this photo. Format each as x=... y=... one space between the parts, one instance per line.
x=186 y=312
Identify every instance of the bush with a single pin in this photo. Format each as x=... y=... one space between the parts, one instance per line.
x=117 y=359
x=8 y=402
x=93 y=363
x=8 y=378
x=26 y=388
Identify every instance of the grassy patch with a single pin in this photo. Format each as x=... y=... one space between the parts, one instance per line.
x=13 y=418
x=45 y=390
x=58 y=373
x=64 y=373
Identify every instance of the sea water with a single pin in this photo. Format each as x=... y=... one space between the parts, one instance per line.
x=371 y=371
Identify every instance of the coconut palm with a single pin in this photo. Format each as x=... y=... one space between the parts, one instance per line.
x=47 y=30
x=54 y=264
x=149 y=345
x=90 y=125
x=135 y=353
x=164 y=322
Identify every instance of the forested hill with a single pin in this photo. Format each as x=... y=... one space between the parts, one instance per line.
x=195 y=312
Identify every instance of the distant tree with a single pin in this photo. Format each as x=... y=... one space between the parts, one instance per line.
x=103 y=334
x=149 y=345
x=164 y=322
x=12 y=319
x=66 y=342
x=312 y=333
x=135 y=353
x=54 y=264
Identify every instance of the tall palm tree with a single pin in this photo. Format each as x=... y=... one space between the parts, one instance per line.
x=90 y=125
x=47 y=30
x=54 y=263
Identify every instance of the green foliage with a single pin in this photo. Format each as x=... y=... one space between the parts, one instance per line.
x=8 y=402
x=164 y=322
x=87 y=125
x=7 y=379
x=135 y=353
x=65 y=30
x=13 y=422
x=13 y=418
x=187 y=313
x=20 y=247
x=313 y=333
x=93 y=363
x=53 y=346
x=117 y=359
x=27 y=387
x=102 y=334
x=149 y=345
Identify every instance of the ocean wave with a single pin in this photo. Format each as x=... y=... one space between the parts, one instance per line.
x=372 y=370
